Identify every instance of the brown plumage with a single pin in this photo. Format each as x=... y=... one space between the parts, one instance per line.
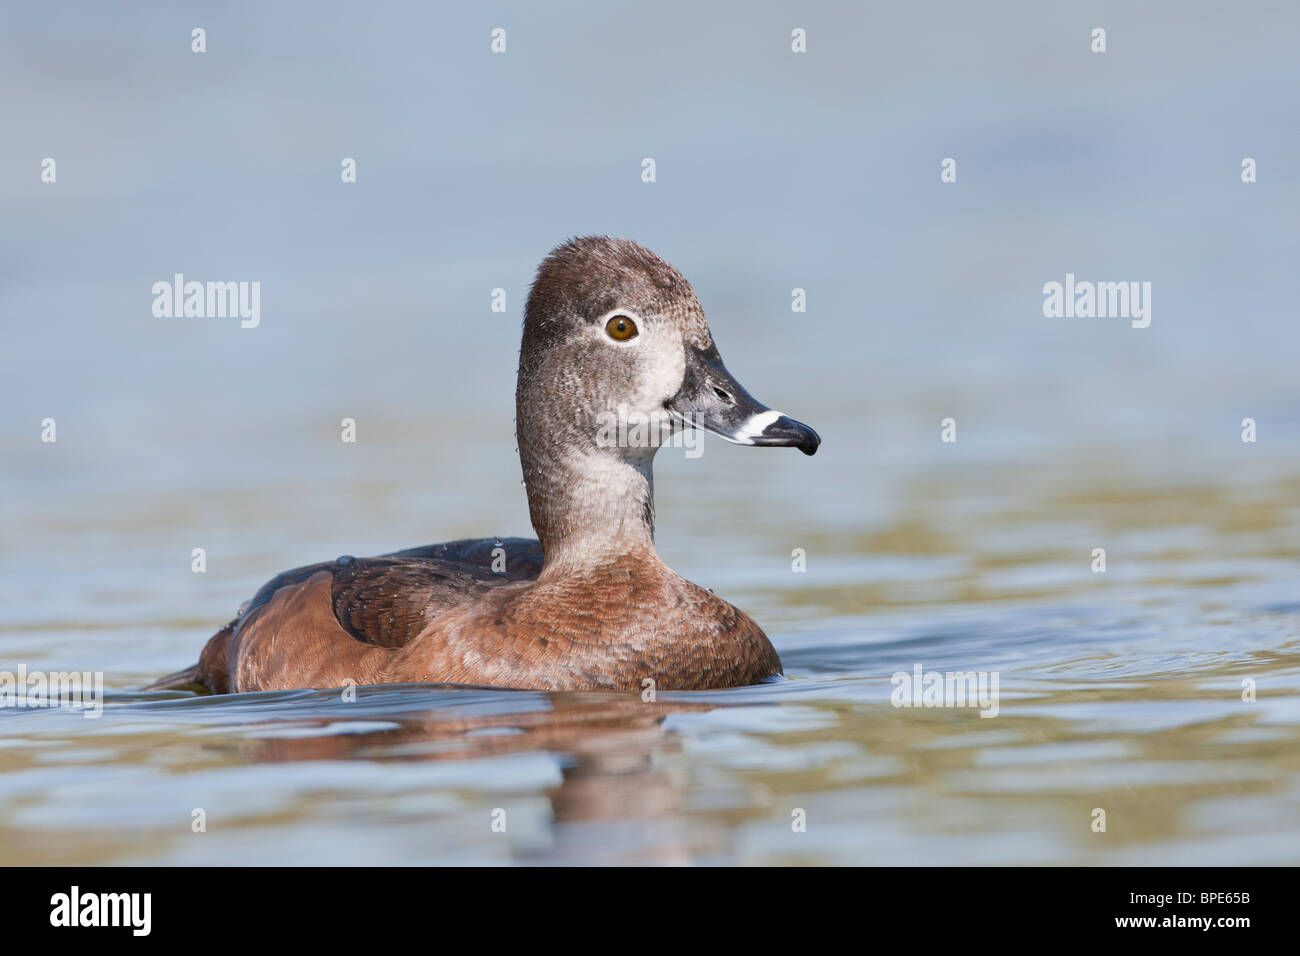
x=587 y=606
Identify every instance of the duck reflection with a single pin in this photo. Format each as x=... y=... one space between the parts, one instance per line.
x=619 y=801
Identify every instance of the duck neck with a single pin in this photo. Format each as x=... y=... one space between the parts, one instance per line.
x=589 y=506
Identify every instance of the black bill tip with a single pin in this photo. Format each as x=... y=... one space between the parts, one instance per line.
x=785 y=431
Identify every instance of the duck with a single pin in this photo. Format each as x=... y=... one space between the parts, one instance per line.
x=612 y=334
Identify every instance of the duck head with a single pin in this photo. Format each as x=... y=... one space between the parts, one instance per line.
x=616 y=357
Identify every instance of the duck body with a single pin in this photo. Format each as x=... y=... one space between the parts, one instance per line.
x=441 y=614
x=613 y=337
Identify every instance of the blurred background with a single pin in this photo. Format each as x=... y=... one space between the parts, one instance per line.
x=774 y=171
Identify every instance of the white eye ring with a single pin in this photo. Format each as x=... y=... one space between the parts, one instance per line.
x=603 y=321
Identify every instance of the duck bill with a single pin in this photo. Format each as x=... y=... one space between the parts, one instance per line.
x=710 y=398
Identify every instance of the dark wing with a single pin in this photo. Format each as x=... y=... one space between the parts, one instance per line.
x=386 y=601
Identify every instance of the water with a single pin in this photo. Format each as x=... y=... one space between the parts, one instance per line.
x=1121 y=690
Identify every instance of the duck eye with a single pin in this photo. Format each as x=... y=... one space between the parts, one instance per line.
x=620 y=328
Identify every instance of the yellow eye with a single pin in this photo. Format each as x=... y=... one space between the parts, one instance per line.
x=620 y=328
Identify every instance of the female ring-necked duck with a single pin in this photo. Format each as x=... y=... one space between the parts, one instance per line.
x=611 y=333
